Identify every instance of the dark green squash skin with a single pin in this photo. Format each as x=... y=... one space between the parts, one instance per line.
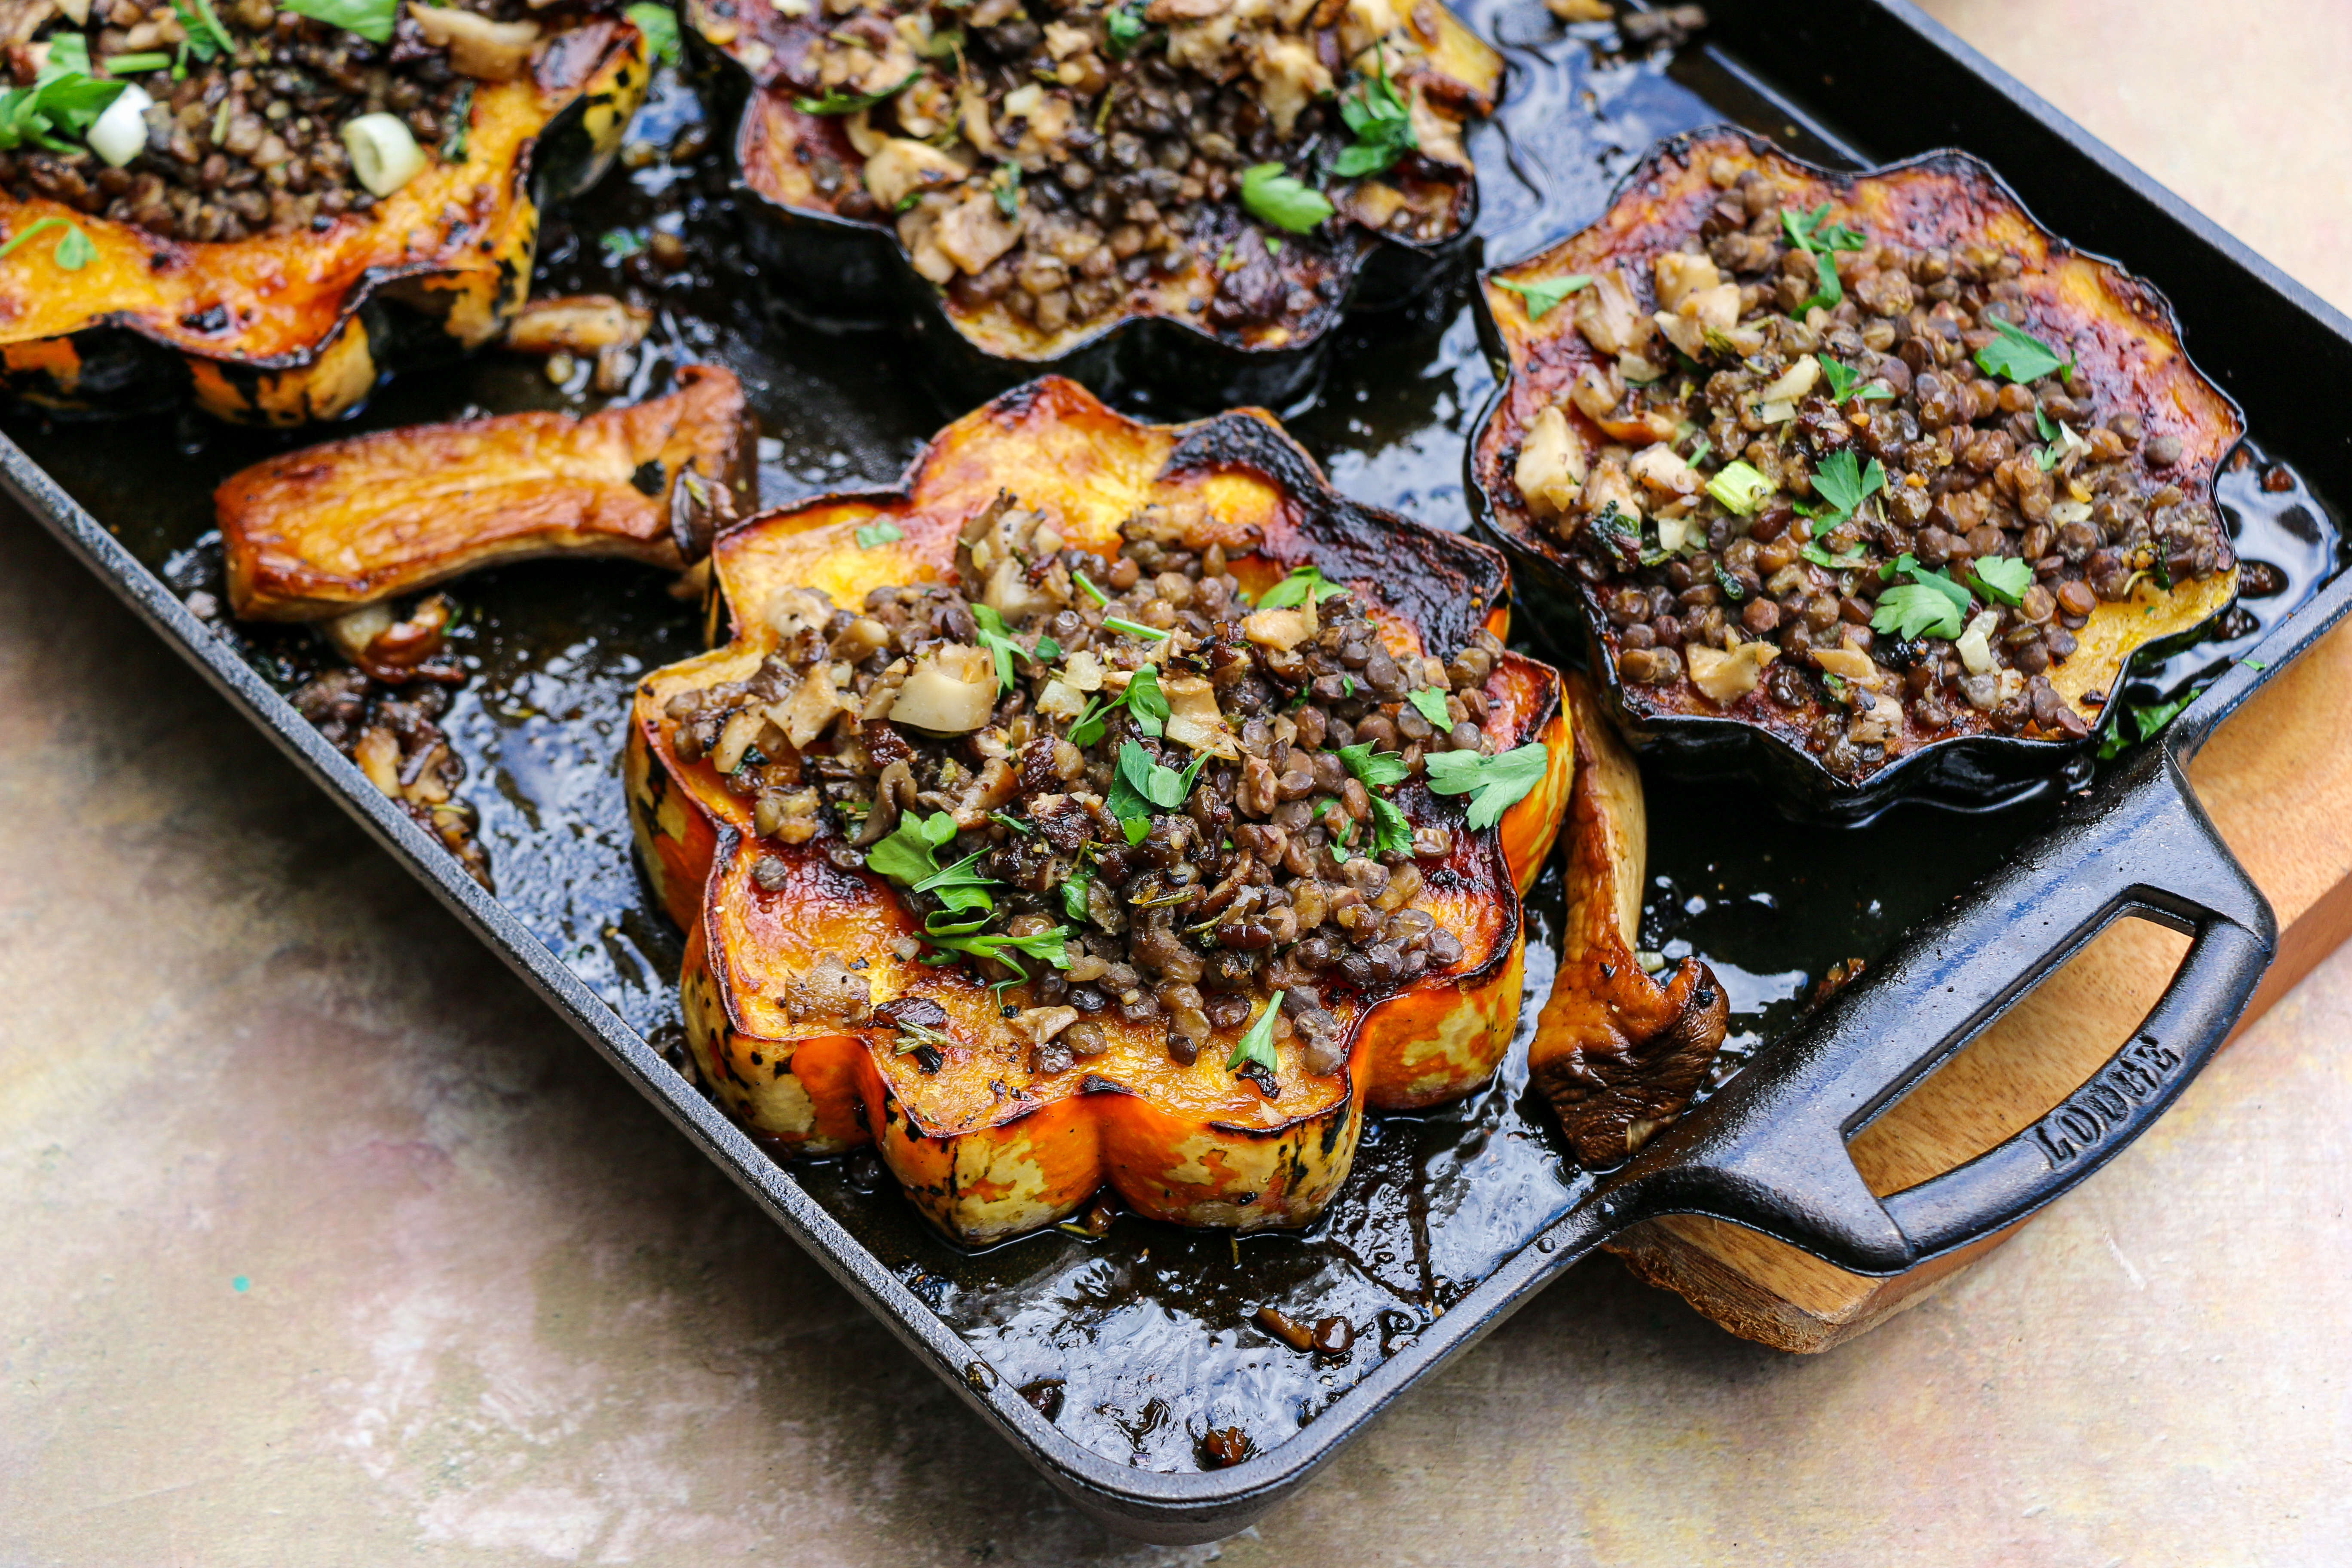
x=832 y=274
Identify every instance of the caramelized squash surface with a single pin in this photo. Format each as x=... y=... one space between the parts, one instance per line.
x=318 y=532
x=985 y=1150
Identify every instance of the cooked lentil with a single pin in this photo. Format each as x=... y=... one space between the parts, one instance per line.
x=250 y=141
x=1063 y=157
x=1267 y=873
x=2019 y=479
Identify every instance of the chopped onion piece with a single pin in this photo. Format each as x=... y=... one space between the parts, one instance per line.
x=119 y=134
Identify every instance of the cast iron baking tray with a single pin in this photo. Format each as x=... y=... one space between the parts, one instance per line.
x=1106 y=1359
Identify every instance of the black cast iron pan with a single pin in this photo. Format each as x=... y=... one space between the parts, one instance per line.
x=1766 y=1149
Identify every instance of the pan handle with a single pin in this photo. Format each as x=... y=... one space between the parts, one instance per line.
x=1768 y=1150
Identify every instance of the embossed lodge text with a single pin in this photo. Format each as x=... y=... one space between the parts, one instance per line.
x=2105 y=1102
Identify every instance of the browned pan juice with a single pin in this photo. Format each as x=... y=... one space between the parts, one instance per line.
x=1140 y=1342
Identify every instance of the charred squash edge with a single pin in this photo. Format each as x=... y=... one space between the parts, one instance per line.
x=129 y=332
x=1962 y=771
x=834 y=272
x=689 y=834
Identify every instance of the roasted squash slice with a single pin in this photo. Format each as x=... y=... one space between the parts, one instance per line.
x=1865 y=481
x=315 y=534
x=283 y=328
x=1618 y=1053
x=797 y=998
x=961 y=166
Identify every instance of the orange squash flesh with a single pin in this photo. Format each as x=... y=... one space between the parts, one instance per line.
x=314 y=532
x=986 y=1151
x=2127 y=345
x=269 y=326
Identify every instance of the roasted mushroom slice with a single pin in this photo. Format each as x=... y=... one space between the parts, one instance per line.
x=247 y=217
x=1179 y=197
x=1204 y=829
x=320 y=532
x=1865 y=481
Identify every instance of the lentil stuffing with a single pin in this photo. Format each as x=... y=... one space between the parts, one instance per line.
x=1825 y=446
x=1070 y=158
x=1121 y=783
x=219 y=120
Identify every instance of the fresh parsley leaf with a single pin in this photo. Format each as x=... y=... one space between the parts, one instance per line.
x=999 y=643
x=2147 y=719
x=1805 y=231
x=1738 y=487
x=1914 y=609
x=1295 y=589
x=1391 y=834
x=1008 y=190
x=1381 y=122
x=62 y=103
x=835 y=102
x=1733 y=589
x=1929 y=603
x=659 y=25
x=1143 y=783
x=73 y=250
x=1494 y=784
x=1840 y=481
x=619 y=244
x=372 y=19
x=1049 y=945
x=1146 y=705
x=1845 y=383
x=1829 y=293
x=1808 y=230
x=1074 y=890
x=905 y=856
x=206 y=37
x=1125 y=27
x=2016 y=354
x=1129 y=800
x=2002 y=577
x=1282 y=199
x=1820 y=557
x=874 y=535
x=1013 y=823
x=1256 y=1048
x=963 y=890
x=1541 y=295
x=1376 y=771
x=1430 y=703
x=1146 y=702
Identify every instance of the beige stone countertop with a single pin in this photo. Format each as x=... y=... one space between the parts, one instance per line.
x=326 y=1243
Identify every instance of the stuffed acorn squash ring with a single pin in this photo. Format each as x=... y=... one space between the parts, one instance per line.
x=1114 y=803
x=224 y=199
x=1867 y=466
x=1180 y=196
